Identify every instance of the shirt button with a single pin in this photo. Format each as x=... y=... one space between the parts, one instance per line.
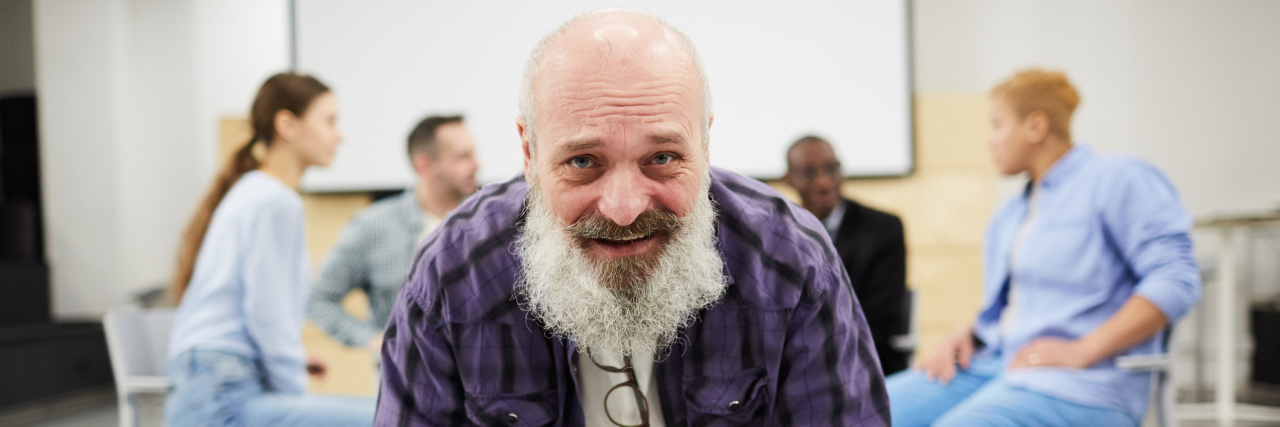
x=734 y=405
x=512 y=418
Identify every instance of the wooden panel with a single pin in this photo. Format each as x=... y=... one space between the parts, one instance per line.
x=233 y=133
x=327 y=214
x=351 y=370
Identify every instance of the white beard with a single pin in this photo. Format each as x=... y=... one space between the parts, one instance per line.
x=575 y=299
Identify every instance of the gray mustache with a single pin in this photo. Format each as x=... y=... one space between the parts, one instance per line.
x=596 y=226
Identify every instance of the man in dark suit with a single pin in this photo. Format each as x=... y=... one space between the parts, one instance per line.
x=870 y=244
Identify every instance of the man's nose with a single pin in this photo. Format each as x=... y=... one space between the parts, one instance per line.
x=624 y=196
x=823 y=180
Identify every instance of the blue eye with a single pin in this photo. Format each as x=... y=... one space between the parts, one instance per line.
x=580 y=162
x=663 y=159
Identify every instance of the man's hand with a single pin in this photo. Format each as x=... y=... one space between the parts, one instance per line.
x=957 y=348
x=1052 y=352
x=374 y=345
x=317 y=366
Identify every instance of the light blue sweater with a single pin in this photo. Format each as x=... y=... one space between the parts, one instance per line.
x=248 y=293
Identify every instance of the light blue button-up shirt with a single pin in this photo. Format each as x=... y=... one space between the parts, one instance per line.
x=248 y=293
x=1107 y=227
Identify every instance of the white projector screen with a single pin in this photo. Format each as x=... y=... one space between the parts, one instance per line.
x=778 y=71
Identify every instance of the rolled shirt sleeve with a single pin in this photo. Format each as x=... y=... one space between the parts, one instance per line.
x=1151 y=229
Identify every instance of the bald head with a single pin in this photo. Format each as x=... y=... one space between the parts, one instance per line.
x=617 y=47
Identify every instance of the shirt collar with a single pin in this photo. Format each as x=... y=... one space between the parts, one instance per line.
x=1067 y=165
x=834 y=219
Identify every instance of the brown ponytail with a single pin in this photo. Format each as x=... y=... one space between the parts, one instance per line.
x=285 y=91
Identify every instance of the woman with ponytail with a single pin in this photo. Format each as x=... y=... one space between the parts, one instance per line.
x=236 y=355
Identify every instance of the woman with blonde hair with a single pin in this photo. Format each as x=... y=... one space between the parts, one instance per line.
x=236 y=355
x=1090 y=262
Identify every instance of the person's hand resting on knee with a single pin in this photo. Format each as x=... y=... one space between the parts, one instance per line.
x=955 y=350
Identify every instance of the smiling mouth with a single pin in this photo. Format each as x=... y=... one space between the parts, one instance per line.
x=624 y=241
x=625 y=247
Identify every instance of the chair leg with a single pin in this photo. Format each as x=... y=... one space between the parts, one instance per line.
x=1168 y=400
x=125 y=407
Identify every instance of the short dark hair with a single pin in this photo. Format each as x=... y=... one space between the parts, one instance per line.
x=423 y=138
x=807 y=139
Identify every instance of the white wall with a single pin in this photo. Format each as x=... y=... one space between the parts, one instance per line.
x=1189 y=85
x=130 y=95
x=17 y=50
x=833 y=68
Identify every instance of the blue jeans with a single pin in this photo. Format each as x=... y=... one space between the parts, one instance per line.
x=980 y=397
x=221 y=389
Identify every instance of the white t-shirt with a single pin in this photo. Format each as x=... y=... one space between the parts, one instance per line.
x=596 y=382
x=429 y=224
x=834 y=219
x=1010 y=313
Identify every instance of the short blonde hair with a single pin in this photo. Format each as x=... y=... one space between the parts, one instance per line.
x=1048 y=92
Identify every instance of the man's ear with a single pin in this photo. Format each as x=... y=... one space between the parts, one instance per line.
x=524 y=132
x=710 y=121
x=1037 y=126
x=422 y=164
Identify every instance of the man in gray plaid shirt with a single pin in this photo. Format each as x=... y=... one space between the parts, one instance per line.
x=376 y=248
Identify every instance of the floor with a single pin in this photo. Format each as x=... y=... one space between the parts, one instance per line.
x=102 y=415
x=91 y=407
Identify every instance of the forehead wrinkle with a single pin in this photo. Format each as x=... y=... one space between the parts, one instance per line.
x=600 y=104
x=639 y=103
x=601 y=93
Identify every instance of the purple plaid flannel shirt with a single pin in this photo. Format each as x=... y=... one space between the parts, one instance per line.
x=788 y=342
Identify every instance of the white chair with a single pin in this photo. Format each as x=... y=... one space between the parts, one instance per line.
x=1163 y=389
x=138 y=342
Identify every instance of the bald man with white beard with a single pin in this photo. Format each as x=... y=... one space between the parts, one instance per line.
x=620 y=280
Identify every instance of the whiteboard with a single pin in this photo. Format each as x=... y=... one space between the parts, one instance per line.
x=778 y=71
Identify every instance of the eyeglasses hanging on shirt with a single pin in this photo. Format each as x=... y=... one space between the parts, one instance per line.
x=642 y=403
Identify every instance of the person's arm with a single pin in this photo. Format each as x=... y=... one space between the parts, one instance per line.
x=271 y=293
x=420 y=382
x=829 y=375
x=345 y=270
x=1150 y=229
x=1136 y=321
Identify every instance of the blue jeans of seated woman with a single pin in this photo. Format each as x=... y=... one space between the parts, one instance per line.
x=221 y=389
x=979 y=397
